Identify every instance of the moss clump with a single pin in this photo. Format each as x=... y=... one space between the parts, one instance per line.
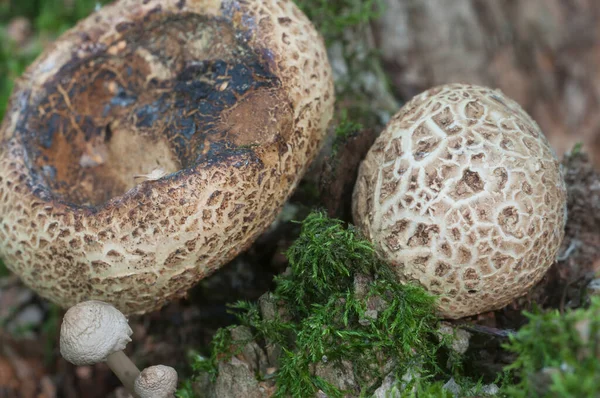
x=558 y=354
x=344 y=129
x=329 y=317
x=332 y=17
x=361 y=86
x=325 y=315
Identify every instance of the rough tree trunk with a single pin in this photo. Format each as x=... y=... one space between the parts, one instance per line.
x=543 y=53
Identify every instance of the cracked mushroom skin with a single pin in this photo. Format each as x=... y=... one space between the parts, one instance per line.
x=463 y=194
x=223 y=102
x=91 y=331
x=156 y=382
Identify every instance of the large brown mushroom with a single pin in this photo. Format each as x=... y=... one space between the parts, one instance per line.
x=221 y=104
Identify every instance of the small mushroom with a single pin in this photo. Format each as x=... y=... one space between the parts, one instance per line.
x=94 y=332
x=157 y=381
x=155 y=141
x=463 y=194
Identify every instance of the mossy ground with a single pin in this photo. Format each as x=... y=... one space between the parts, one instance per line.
x=327 y=319
x=345 y=26
x=333 y=18
x=556 y=353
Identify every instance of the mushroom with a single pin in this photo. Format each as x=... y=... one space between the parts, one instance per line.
x=220 y=105
x=157 y=381
x=94 y=332
x=463 y=194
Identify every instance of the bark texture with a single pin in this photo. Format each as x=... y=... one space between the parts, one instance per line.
x=545 y=54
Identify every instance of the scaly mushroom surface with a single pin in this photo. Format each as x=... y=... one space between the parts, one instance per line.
x=157 y=381
x=222 y=103
x=462 y=193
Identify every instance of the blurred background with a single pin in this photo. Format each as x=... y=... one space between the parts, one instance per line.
x=545 y=54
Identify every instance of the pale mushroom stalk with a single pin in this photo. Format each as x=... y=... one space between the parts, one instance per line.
x=124 y=369
x=94 y=332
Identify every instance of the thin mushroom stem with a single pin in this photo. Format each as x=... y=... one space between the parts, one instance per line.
x=124 y=369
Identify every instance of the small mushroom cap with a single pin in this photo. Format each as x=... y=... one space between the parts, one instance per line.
x=91 y=331
x=158 y=381
x=463 y=194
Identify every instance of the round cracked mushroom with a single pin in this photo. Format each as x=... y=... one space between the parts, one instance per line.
x=155 y=141
x=94 y=332
x=463 y=194
x=157 y=381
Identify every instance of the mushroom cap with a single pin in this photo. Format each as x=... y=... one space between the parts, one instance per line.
x=91 y=331
x=157 y=381
x=462 y=194
x=220 y=104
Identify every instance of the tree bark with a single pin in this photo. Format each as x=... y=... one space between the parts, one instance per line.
x=545 y=54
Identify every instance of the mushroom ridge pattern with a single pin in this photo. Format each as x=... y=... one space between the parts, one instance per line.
x=463 y=194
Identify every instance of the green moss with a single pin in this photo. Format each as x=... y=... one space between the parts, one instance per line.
x=3 y=270
x=323 y=260
x=558 y=354
x=577 y=149
x=346 y=27
x=49 y=18
x=12 y=63
x=345 y=129
x=430 y=388
x=426 y=388
x=222 y=346
x=332 y=17
x=49 y=330
x=327 y=318
x=185 y=389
